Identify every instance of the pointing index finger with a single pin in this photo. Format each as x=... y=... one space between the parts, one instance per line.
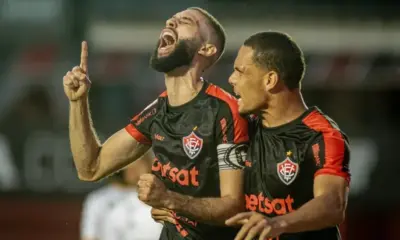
x=84 y=56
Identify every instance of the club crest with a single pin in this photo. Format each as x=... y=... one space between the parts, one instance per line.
x=287 y=170
x=192 y=144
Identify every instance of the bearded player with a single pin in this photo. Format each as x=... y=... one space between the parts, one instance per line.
x=297 y=173
x=194 y=128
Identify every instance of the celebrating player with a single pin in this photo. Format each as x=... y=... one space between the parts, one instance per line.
x=196 y=132
x=297 y=176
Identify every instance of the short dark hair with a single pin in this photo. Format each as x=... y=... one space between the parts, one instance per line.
x=217 y=27
x=278 y=52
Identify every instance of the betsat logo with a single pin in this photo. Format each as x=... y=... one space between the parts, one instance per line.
x=262 y=204
x=183 y=177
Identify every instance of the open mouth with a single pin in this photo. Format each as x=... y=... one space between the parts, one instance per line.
x=237 y=94
x=238 y=97
x=168 y=40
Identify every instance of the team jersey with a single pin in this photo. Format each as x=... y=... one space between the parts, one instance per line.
x=283 y=162
x=192 y=144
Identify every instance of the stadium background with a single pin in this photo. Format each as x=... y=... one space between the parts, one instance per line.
x=353 y=57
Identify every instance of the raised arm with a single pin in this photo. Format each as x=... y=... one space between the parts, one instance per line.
x=92 y=159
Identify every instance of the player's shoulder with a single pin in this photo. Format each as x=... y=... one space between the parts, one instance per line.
x=163 y=95
x=150 y=110
x=220 y=94
x=161 y=98
x=317 y=120
x=223 y=96
x=157 y=102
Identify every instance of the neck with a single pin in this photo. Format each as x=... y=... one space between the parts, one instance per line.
x=283 y=108
x=181 y=88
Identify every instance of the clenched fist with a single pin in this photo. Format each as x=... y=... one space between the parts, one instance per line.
x=152 y=191
x=76 y=82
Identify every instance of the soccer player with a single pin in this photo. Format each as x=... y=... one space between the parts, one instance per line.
x=194 y=128
x=114 y=211
x=297 y=173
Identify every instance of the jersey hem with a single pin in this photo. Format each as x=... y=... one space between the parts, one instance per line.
x=344 y=175
x=137 y=135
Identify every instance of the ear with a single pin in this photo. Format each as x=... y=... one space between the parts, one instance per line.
x=208 y=50
x=270 y=80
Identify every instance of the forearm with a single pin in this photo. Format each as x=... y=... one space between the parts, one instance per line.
x=321 y=212
x=85 y=145
x=209 y=210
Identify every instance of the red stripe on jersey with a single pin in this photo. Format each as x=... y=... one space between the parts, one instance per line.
x=137 y=135
x=334 y=144
x=239 y=124
x=327 y=171
x=164 y=94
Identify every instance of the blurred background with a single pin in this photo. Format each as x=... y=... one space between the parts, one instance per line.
x=352 y=50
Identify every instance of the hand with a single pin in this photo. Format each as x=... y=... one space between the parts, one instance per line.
x=162 y=215
x=152 y=191
x=76 y=82
x=256 y=224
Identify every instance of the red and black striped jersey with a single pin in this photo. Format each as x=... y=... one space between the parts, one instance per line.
x=283 y=162
x=187 y=141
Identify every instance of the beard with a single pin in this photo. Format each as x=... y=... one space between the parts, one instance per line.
x=182 y=55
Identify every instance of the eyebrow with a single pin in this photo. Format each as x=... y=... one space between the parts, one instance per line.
x=189 y=19
x=237 y=69
x=184 y=18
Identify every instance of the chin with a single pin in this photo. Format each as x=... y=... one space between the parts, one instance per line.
x=172 y=56
x=246 y=110
x=243 y=111
x=241 y=108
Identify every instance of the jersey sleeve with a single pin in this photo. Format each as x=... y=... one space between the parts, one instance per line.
x=231 y=137
x=90 y=218
x=139 y=127
x=331 y=154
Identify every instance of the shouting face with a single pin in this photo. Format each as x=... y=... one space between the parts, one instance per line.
x=180 y=41
x=248 y=82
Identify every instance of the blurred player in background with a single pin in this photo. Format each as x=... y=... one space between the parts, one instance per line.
x=114 y=212
x=297 y=173
x=194 y=128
